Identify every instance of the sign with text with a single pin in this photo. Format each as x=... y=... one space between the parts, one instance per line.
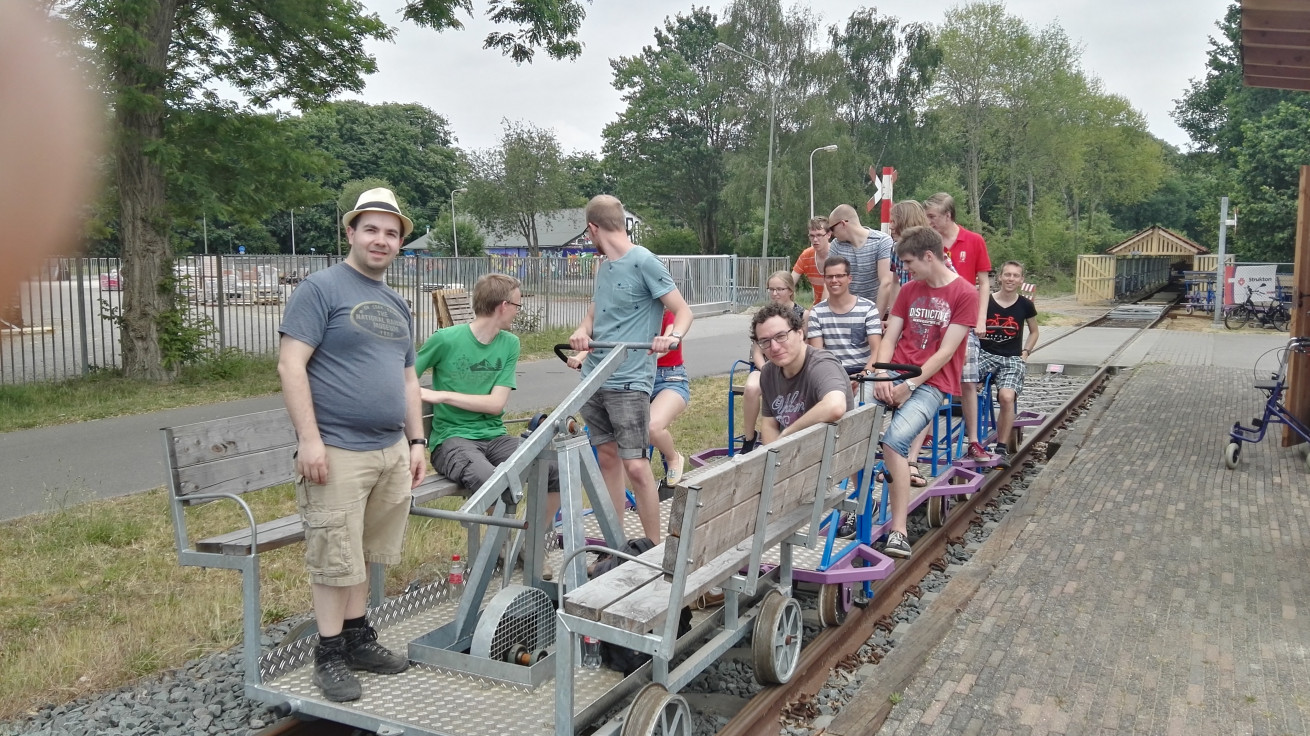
x=1261 y=280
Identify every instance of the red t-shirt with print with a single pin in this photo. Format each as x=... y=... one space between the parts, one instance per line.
x=969 y=256
x=927 y=313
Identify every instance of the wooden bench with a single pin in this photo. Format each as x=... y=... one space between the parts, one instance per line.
x=719 y=523
x=225 y=459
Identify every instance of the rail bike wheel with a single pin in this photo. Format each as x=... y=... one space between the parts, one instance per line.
x=935 y=510
x=657 y=712
x=1237 y=317
x=776 y=640
x=834 y=604
x=1231 y=454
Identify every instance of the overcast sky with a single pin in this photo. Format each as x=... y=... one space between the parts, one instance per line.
x=1145 y=50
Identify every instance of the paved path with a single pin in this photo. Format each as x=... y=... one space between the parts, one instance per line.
x=1141 y=586
x=55 y=467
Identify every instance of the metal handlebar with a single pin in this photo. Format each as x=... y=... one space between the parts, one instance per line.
x=561 y=347
x=902 y=370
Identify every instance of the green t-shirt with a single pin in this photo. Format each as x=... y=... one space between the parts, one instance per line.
x=461 y=364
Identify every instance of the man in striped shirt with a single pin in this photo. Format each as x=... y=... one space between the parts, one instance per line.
x=844 y=324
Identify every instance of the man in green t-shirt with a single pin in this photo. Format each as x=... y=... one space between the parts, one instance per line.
x=472 y=375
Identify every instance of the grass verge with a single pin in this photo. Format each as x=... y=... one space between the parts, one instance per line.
x=229 y=376
x=92 y=597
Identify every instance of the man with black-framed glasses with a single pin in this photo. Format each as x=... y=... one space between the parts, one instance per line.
x=801 y=385
x=472 y=375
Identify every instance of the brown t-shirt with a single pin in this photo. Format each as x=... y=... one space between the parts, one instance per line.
x=786 y=399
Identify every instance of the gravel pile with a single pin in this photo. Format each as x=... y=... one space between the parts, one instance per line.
x=202 y=697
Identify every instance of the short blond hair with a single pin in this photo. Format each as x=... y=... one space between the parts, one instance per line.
x=943 y=203
x=606 y=212
x=490 y=291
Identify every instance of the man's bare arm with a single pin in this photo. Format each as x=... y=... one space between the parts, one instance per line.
x=418 y=461
x=292 y=369
x=492 y=403
x=829 y=409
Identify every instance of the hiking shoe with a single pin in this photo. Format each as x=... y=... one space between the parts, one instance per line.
x=363 y=652
x=846 y=527
x=977 y=453
x=332 y=675
x=897 y=546
x=748 y=444
x=1002 y=458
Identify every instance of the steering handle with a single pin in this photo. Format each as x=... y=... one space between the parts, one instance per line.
x=561 y=347
x=902 y=370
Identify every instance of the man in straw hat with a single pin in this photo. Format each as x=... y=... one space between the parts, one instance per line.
x=347 y=367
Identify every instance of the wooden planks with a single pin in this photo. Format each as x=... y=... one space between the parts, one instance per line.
x=272 y=535
x=589 y=599
x=452 y=307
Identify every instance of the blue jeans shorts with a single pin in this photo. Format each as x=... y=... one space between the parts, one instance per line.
x=672 y=378
x=910 y=419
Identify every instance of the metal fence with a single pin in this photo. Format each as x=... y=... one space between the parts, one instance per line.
x=59 y=324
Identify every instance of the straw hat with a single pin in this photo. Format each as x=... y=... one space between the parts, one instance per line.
x=379 y=200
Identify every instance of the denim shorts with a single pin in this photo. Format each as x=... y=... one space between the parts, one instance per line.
x=672 y=378
x=619 y=416
x=911 y=417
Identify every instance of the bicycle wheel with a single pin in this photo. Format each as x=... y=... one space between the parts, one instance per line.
x=1237 y=317
x=1279 y=317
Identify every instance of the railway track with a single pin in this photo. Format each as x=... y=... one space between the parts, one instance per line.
x=834 y=647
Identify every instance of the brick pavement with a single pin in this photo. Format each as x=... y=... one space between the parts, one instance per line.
x=1152 y=590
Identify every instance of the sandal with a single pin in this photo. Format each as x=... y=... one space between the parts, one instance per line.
x=916 y=478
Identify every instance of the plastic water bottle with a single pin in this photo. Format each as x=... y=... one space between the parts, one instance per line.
x=456 y=578
x=590 y=652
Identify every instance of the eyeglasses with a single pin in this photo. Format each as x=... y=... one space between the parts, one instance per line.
x=520 y=306
x=834 y=225
x=836 y=276
x=780 y=338
x=778 y=289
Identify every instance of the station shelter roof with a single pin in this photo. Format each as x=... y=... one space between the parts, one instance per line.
x=1158 y=241
x=1276 y=44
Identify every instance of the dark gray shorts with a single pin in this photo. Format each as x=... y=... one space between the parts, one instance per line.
x=619 y=416
x=471 y=462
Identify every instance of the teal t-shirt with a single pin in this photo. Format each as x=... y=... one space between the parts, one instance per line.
x=628 y=309
x=461 y=364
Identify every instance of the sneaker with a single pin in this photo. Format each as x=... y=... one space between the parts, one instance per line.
x=897 y=545
x=332 y=675
x=363 y=652
x=1002 y=458
x=673 y=472
x=747 y=444
x=977 y=453
x=846 y=527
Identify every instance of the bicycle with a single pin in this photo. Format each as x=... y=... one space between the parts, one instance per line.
x=1274 y=315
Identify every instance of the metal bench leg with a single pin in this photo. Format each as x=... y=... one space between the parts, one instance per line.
x=566 y=644
x=252 y=618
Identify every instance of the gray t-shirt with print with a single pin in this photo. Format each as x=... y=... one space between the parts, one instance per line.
x=628 y=309
x=787 y=399
x=362 y=337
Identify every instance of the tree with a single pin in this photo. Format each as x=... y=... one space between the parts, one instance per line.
x=669 y=143
x=407 y=145
x=159 y=56
x=525 y=176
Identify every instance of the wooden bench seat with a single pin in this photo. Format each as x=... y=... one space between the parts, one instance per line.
x=289 y=529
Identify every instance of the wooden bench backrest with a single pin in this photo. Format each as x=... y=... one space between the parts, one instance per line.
x=452 y=307
x=730 y=495
x=854 y=433
x=232 y=455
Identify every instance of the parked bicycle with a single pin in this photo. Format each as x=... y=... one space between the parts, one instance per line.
x=1274 y=314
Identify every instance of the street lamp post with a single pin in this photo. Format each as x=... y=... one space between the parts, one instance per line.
x=832 y=147
x=773 y=114
x=454 y=233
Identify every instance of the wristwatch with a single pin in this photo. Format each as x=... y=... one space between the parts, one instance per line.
x=911 y=384
x=419 y=441
x=675 y=335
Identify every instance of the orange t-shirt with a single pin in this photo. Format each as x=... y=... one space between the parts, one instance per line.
x=805 y=265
